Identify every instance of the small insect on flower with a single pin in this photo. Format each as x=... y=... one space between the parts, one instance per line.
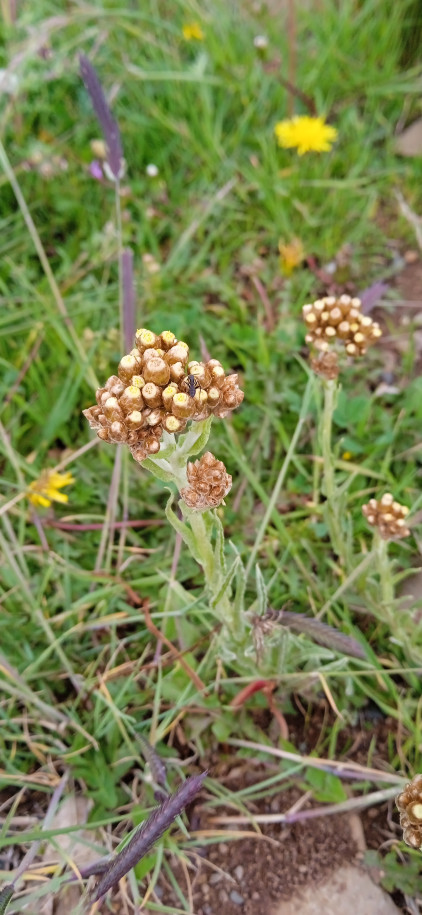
x=191 y=385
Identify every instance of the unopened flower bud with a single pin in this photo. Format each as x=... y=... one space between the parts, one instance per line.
x=168 y=395
x=118 y=432
x=145 y=339
x=156 y=370
x=129 y=366
x=174 y=424
x=177 y=372
x=131 y=399
x=208 y=481
x=409 y=804
x=178 y=353
x=167 y=339
x=151 y=394
x=182 y=405
x=387 y=516
x=112 y=410
x=134 y=420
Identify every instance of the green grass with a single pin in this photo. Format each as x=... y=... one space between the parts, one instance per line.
x=81 y=685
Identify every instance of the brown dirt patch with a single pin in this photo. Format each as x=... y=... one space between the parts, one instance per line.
x=251 y=876
x=235 y=876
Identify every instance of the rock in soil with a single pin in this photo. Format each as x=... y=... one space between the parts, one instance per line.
x=349 y=891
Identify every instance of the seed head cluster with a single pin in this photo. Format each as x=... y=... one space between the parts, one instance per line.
x=409 y=804
x=340 y=319
x=208 y=481
x=151 y=394
x=388 y=516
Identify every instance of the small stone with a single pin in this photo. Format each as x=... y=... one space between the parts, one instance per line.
x=207 y=910
x=236 y=898
x=238 y=872
x=215 y=878
x=223 y=896
x=255 y=896
x=223 y=848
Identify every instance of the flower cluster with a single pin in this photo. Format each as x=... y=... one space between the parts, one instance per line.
x=208 y=481
x=330 y=319
x=306 y=133
x=388 y=516
x=158 y=389
x=409 y=804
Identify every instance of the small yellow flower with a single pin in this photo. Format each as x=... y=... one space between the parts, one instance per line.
x=46 y=489
x=306 y=134
x=347 y=455
x=192 y=32
x=291 y=255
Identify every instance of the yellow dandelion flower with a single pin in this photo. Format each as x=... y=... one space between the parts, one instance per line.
x=347 y=456
x=291 y=255
x=192 y=32
x=306 y=134
x=46 y=489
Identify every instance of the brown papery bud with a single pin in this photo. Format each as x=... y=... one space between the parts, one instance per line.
x=167 y=339
x=131 y=399
x=118 y=432
x=134 y=420
x=174 y=424
x=200 y=372
x=182 y=406
x=144 y=339
x=387 y=516
x=156 y=370
x=112 y=410
x=151 y=394
x=168 y=395
x=213 y=396
x=217 y=375
x=117 y=387
x=129 y=366
x=208 y=481
x=152 y=353
x=154 y=417
x=178 y=353
x=409 y=804
x=138 y=381
x=325 y=365
x=92 y=414
x=177 y=372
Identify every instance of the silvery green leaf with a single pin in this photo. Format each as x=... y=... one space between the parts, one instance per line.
x=261 y=591
x=226 y=583
x=183 y=530
x=195 y=439
x=161 y=472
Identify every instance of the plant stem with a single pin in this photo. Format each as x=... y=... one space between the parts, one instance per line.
x=380 y=549
x=333 y=503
